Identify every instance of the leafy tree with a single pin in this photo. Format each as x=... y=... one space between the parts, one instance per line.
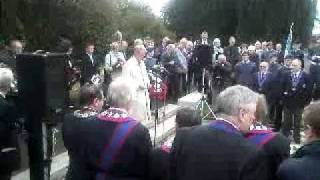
x=41 y=23
x=249 y=20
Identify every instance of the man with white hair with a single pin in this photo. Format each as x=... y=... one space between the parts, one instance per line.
x=213 y=151
x=221 y=74
x=232 y=52
x=135 y=69
x=9 y=150
x=217 y=49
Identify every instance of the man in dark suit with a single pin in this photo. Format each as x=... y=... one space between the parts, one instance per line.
x=9 y=150
x=297 y=93
x=253 y=56
x=275 y=92
x=244 y=71
x=304 y=164
x=202 y=57
x=219 y=150
x=89 y=65
x=315 y=76
x=221 y=76
x=232 y=52
x=262 y=79
x=298 y=53
x=280 y=53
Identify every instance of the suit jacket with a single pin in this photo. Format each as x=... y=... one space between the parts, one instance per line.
x=9 y=161
x=275 y=90
x=299 y=96
x=244 y=74
x=221 y=74
x=262 y=86
x=303 y=165
x=280 y=56
x=204 y=153
x=203 y=53
x=232 y=54
x=88 y=69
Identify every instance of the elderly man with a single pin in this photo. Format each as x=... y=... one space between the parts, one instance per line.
x=304 y=164
x=297 y=93
x=232 y=52
x=221 y=74
x=135 y=69
x=175 y=62
x=218 y=150
x=9 y=151
x=262 y=79
x=217 y=49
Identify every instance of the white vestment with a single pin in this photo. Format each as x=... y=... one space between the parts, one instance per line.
x=137 y=72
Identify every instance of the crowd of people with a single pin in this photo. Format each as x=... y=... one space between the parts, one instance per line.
x=260 y=95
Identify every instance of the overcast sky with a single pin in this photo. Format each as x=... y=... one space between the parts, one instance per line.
x=156 y=5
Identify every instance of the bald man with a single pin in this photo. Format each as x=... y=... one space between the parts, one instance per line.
x=297 y=94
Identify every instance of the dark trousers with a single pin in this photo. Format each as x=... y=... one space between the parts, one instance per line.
x=275 y=114
x=316 y=94
x=173 y=86
x=292 y=117
x=182 y=84
x=5 y=176
x=198 y=79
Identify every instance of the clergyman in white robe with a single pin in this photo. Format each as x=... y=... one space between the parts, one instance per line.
x=135 y=70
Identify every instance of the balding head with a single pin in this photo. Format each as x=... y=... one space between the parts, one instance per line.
x=222 y=58
x=139 y=52
x=264 y=66
x=296 y=65
x=16 y=46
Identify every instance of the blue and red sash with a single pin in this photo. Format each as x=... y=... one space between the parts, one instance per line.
x=123 y=129
x=224 y=126
x=260 y=137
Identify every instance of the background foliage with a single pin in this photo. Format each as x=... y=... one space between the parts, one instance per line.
x=248 y=20
x=42 y=22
